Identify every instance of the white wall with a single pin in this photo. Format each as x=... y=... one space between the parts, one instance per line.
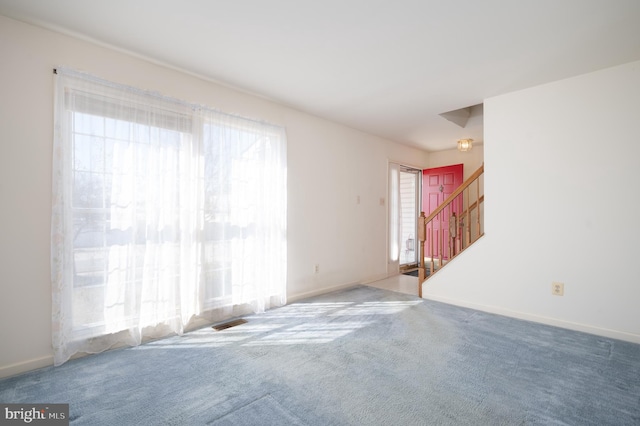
x=329 y=167
x=562 y=187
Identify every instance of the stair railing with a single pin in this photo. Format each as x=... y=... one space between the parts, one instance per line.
x=452 y=227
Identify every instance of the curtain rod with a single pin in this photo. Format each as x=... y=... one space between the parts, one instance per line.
x=166 y=98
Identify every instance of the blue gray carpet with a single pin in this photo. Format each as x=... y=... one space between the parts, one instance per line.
x=362 y=356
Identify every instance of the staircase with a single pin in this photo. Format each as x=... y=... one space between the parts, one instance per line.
x=451 y=228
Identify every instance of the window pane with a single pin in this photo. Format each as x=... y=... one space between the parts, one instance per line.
x=88 y=190
x=88 y=228
x=117 y=129
x=88 y=124
x=82 y=153
x=90 y=266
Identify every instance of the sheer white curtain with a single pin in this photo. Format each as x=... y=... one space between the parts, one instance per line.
x=165 y=216
x=394 y=218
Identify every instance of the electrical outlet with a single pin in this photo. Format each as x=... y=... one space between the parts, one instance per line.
x=316 y=268
x=557 y=289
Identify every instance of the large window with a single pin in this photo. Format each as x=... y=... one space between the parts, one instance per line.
x=165 y=215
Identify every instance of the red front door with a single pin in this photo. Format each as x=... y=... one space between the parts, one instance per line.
x=437 y=185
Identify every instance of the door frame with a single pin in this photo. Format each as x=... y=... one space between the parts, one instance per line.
x=395 y=248
x=417 y=199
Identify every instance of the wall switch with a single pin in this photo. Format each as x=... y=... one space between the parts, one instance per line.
x=382 y=201
x=557 y=289
x=358 y=200
x=316 y=268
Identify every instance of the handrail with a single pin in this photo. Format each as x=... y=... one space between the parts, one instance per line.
x=459 y=228
x=455 y=193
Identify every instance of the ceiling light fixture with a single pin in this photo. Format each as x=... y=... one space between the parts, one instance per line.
x=465 y=144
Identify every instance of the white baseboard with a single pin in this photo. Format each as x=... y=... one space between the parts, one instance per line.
x=605 y=332
x=376 y=278
x=296 y=297
x=23 y=367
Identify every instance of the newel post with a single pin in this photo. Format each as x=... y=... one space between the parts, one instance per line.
x=422 y=236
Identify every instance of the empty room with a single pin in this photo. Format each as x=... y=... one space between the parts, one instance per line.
x=274 y=212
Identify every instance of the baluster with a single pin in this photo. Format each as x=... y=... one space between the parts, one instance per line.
x=453 y=234
x=468 y=224
x=422 y=230
x=441 y=238
x=431 y=252
x=478 y=206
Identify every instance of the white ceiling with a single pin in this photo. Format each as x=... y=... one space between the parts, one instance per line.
x=385 y=67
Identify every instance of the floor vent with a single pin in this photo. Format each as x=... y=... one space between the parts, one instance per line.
x=224 y=326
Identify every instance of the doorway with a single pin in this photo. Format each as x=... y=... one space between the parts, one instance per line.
x=409 y=212
x=410 y=192
x=404 y=208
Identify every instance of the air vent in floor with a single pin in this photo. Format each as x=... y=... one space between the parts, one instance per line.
x=229 y=324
